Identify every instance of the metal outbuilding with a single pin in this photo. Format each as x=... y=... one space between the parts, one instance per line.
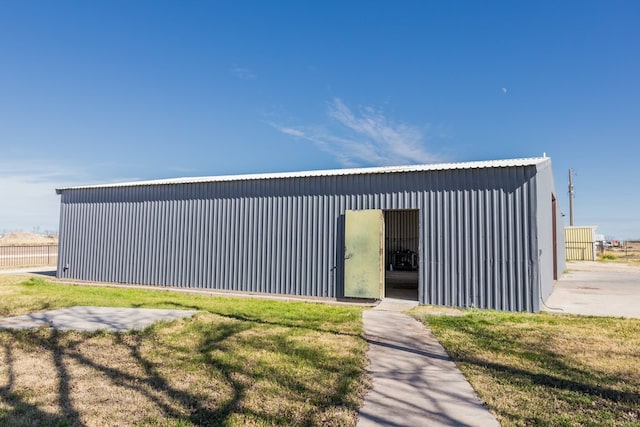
x=476 y=234
x=580 y=243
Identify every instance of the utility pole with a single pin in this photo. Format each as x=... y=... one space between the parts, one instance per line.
x=570 y=197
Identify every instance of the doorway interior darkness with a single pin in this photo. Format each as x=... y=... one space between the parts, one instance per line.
x=402 y=246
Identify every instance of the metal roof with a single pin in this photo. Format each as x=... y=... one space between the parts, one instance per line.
x=531 y=161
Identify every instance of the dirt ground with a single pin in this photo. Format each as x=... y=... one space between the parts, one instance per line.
x=20 y=238
x=628 y=251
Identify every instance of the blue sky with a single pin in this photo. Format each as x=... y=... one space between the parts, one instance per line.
x=107 y=91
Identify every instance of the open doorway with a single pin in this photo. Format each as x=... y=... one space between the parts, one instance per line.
x=402 y=245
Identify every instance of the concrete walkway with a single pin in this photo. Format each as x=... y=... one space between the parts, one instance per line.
x=415 y=383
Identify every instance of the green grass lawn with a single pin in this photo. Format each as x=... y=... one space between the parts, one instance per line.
x=236 y=362
x=263 y=362
x=545 y=369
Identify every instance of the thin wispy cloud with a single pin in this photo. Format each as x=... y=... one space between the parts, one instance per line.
x=242 y=73
x=291 y=131
x=27 y=191
x=365 y=137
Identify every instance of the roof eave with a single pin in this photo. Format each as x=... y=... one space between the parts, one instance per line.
x=533 y=161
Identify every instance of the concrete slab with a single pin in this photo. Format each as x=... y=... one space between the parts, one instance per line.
x=94 y=318
x=415 y=383
x=47 y=271
x=397 y=305
x=597 y=289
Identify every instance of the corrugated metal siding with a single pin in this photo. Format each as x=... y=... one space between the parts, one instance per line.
x=286 y=236
x=544 y=233
x=580 y=243
x=478 y=246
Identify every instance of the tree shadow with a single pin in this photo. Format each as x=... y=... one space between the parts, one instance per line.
x=155 y=384
x=280 y=343
x=549 y=369
x=20 y=412
x=304 y=324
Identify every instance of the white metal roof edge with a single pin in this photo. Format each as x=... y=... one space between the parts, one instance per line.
x=530 y=161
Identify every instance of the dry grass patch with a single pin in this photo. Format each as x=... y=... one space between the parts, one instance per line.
x=623 y=255
x=237 y=362
x=546 y=369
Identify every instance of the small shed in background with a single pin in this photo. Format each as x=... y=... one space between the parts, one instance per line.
x=476 y=234
x=580 y=242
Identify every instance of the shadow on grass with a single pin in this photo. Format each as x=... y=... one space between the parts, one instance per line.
x=556 y=382
x=20 y=412
x=155 y=385
x=585 y=388
x=311 y=324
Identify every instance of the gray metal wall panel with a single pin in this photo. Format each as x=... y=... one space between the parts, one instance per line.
x=544 y=235
x=286 y=236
